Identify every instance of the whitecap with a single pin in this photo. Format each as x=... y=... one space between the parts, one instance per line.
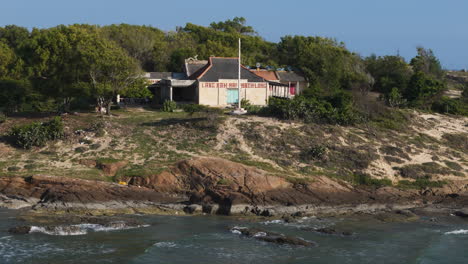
x=457 y=232
x=58 y=231
x=165 y=244
x=278 y=221
x=81 y=229
x=260 y=234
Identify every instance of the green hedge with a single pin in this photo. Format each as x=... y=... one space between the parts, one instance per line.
x=333 y=110
x=36 y=134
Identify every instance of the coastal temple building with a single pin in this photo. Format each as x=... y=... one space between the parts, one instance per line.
x=214 y=82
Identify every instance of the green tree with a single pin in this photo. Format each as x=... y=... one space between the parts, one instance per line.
x=139 y=41
x=7 y=59
x=237 y=24
x=327 y=64
x=110 y=69
x=423 y=90
x=56 y=62
x=14 y=94
x=428 y=63
x=389 y=72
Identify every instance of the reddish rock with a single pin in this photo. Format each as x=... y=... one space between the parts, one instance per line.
x=88 y=163
x=111 y=168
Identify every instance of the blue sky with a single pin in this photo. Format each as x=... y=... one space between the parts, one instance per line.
x=366 y=26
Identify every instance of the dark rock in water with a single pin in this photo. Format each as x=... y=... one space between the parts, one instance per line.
x=461 y=214
x=207 y=208
x=272 y=237
x=287 y=219
x=406 y=213
x=285 y=240
x=298 y=214
x=190 y=209
x=20 y=230
x=328 y=231
x=397 y=216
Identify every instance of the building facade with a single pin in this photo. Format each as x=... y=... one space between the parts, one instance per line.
x=215 y=83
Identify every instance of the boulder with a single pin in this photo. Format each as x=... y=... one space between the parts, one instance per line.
x=463 y=214
x=272 y=237
x=328 y=231
x=20 y=230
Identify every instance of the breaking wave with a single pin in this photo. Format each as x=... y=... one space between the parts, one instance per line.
x=165 y=244
x=457 y=232
x=81 y=229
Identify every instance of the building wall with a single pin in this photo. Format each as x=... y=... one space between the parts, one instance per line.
x=215 y=94
x=256 y=96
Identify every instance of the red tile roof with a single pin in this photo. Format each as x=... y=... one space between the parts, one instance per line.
x=267 y=75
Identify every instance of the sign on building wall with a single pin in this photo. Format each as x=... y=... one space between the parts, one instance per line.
x=233 y=85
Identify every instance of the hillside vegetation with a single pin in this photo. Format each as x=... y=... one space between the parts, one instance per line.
x=374 y=121
x=409 y=149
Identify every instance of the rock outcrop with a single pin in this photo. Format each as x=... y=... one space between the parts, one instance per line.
x=215 y=185
x=272 y=237
x=64 y=192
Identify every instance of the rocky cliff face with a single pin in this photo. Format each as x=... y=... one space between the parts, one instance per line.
x=215 y=185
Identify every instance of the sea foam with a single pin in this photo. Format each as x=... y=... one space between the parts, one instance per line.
x=81 y=229
x=457 y=232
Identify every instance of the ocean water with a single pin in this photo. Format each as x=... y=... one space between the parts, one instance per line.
x=207 y=239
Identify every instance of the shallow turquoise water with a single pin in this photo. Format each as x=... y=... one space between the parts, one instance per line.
x=171 y=239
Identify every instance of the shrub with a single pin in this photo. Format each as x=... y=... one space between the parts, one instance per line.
x=252 y=109
x=98 y=128
x=2 y=118
x=36 y=134
x=95 y=146
x=423 y=171
x=14 y=168
x=453 y=165
x=194 y=108
x=457 y=141
x=315 y=152
x=446 y=105
x=364 y=179
x=169 y=106
x=245 y=103
x=421 y=184
x=394 y=98
x=335 y=109
x=30 y=166
x=392 y=119
x=80 y=149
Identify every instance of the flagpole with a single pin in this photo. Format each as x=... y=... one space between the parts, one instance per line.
x=239 y=78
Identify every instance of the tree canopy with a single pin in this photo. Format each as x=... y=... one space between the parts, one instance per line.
x=54 y=67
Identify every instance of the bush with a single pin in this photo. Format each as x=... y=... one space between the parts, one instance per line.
x=315 y=152
x=446 y=105
x=2 y=118
x=335 y=109
x=252 y=109
x=169 y=106
x=194 y=108
x=363 y=179
x=423 y=171
x=80 y=149
x=36 y=134
x=394 y=98
x=98 y=128
x=14 y=168
x=421 y=184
